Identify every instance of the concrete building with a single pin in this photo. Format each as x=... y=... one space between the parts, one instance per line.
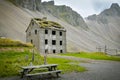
x=46 y=36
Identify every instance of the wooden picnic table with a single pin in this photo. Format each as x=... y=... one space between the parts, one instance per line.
x=27 y=69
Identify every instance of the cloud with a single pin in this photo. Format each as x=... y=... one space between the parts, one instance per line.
x=45 y=0
x=83 y=7
x=100 y=5
x=87 y=7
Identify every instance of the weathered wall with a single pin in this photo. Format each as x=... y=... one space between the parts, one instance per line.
x=39 y=39
x=51 y=37
x=30 y=35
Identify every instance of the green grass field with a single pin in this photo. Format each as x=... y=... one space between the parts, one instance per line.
x=93 y=55
x=20 y=55
x=11 y=60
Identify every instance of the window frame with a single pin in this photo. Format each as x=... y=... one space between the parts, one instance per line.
x=46 y=50
x=61 y=51
x=53 y=32
x=32 y=23
x=46 y=31
x=54 y=51
x=31 y=41
x=36 y=31
x=60 y=33
x=29 y=33
x=46 y=41
x=53 y=42
x=61 y=43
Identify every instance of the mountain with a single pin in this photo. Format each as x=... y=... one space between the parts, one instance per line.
x=107 y=25
x=15 y=19
x=62 y=12
x=114 y=10
x=99 y=30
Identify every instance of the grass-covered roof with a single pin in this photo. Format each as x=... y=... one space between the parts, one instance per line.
x=44 y=23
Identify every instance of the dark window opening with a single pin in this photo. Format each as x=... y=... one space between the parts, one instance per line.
x=29 y=33
x=46 y=31
x=32 y=41
x=53 y=42
x=53 y=32
x=46 y=41
x=60 y=42
x=35 y=31
x=32 y=23
x=61 y=51
x=46 y=50
x=54 y=51
x=60 y=33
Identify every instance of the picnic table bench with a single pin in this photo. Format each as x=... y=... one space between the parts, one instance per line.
x=51 y=68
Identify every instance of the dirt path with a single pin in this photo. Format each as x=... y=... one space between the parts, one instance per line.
x=97 y=70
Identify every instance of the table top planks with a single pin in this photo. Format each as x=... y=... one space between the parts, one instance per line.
x=39 y=66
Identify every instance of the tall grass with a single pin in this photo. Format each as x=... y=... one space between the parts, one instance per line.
x=5 y=42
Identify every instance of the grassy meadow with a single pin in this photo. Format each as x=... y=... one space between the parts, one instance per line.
x=93 y=55
x=11 y=58
x=11 y=61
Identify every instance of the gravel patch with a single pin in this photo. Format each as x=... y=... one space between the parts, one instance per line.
x=97 y=71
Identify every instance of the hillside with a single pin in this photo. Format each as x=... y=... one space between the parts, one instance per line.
x=107 y=25
x=5 y=42
x=14 y=19
x=62 y=12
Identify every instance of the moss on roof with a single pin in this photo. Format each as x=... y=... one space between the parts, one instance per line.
x=43 y=23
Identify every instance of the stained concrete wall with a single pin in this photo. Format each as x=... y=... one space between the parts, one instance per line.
x=38 y=40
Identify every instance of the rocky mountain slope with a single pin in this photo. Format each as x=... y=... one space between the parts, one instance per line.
x=107 y=25
x=14 y=21
x=62 y=12
x=15 y=18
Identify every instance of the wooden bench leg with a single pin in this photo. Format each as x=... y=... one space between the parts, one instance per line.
x=22 y=74
x=49 y=68
x=57 y=74
x=54 y=67
x=29 y=78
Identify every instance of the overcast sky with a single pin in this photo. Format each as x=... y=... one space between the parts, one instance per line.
x=87 y=7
